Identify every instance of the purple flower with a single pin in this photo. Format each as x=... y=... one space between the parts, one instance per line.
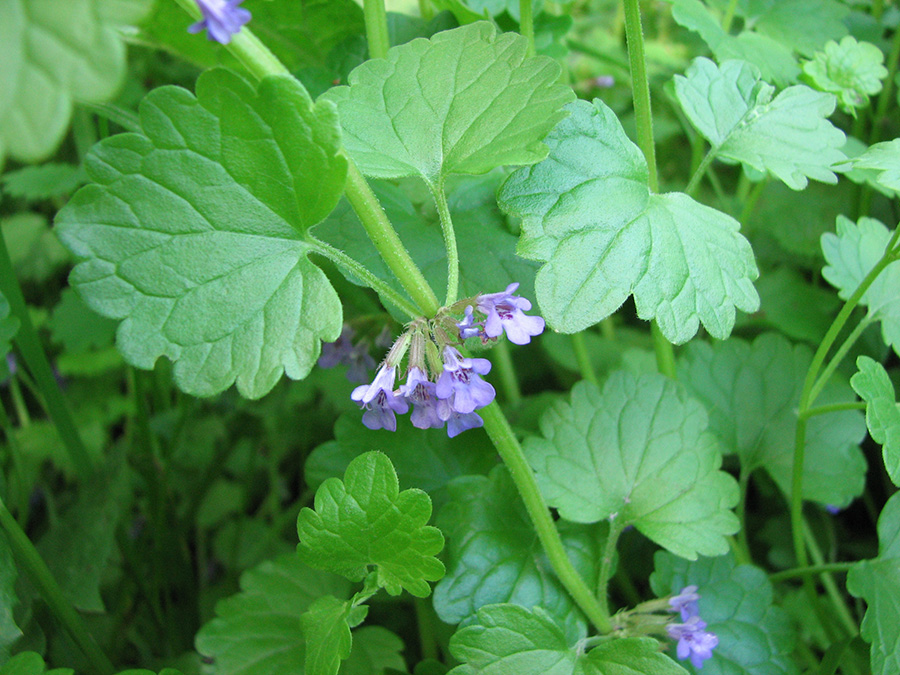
x=504 y=313
x=468 y=327
x=693 y=640
x=458 y=423
x=380 y=401
x=460 y=380
x=685 y=603
x=419 y=391
x=221 y=18
x=833 y=510
x=343 y=351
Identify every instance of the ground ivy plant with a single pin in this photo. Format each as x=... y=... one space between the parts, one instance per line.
x=473 y=336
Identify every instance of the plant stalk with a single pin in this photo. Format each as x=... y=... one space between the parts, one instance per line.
x=376 y=28
x=526 y=25
x=443 y=209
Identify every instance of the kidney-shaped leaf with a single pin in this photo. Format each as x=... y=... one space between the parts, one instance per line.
x=193 y=232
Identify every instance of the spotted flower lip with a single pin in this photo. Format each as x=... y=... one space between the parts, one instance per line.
x=380 y=401
x=694 y=641
x=419 y=391
x=221 y=19
x=461 y=382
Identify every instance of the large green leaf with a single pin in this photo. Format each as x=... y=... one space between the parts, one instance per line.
x=51 y=56
x=851 y=70
x=877 y=581
x=466 y=101
x=507 y=639
x=751 y=392
x=194 y=233
x=588 y=214
x=851 y=253
x=365 y=520
x=494 y=555
x=259 y=631
x=9 y=631
x=874 y=386
x=637 y=452
x=755 y=636
x=787 y=135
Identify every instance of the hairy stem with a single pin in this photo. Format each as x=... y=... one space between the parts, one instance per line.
x=443 y=209
x=508 y=380
x=583 y=359
x=526 y=25
x=376 y=28
x=609 y=552
x=810 y=570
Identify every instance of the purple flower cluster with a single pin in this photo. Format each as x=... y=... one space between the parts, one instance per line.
x=221 y=19
x=344 y=352
x=452 y=400
x=694 y=641
x=503 y=312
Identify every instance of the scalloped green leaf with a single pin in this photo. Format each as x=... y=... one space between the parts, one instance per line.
x=194 y=232
x=327 y=634
x=851 y=70
x=52 y=58
x=637 y=452
x=587 y=212
x=787 y=135
x=755 y=636
x=511 y=639
x=851 y=253
x=874 y=386
x=259 y=631
x=45 y=181
x=877 y=581
x=494 y=555
x=465 y=101
x=885 y=158
x=364 y=520
x=752 y=390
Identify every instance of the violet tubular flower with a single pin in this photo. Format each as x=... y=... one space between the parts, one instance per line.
x=380 y=401
x=461 y=384
x=685 y=603
x=419 y=391
x=505 y=312
x=694 y=641
x=221 y=19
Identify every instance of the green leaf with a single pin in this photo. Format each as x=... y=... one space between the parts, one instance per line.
x=73 y=325
x=752 y=391
x=851 y=70
x=883 y=157
x=365 y=520
x=465 y=101
x=327 y=635
x=797 y=308
x=755 y=636
x=802 y=25
x=510 y=639
x=588 y=213
x=33 y=247
x=494 y=554
x=9 y=631
x=851 y=254
x=882 y=412
x=423 y=458
x=30 y=663
x=51 y=58
x=44 y=181
x=374 y=649
x=211 y=270
x=637 y=453
x=877 y=581
x=259 y=631
x=787 y=135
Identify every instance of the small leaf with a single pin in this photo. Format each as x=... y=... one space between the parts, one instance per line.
x=327 y=635
x=30 y=663
x=365 y=520
x=466 y=101
x=752 y=391
x=494 y=554
x=509 y=639
x=9 y=631
x=882 y=412
x=755 y=636
x=51 y=58
x=43 y=181
x=73 y=325
x=637 y=453
x=851 y=254
x=588 y=213
x=259 y=631
x=211 y=269
x=851 y=70
x=33 y=247
x=788 y=135
x=877 y=581
x=883 y=157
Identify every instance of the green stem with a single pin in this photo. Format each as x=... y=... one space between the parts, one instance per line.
x=503 y=438
x=18 y=401
x=355 y=268
x=526 y=25
x=508 y=379
x=583 y=359
x=609 y=552
x=750 y=202
x=33 y=354
x=810 y=570
x=376 y=28
x=41 y=577
x=665 y=353
x=743 y=543
x=877 y=9
x=729 y=15
x=834 y=407
x=640 y=87
x=886 y=97
x=15 y=456
x=426 y=11
x=694 y=183
x=425 y=622
x=839 y=355
x=837 y=600
x=125 y=118
x=593 y=52
x=246 y=47
x=443 y=209
x=385 y=239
